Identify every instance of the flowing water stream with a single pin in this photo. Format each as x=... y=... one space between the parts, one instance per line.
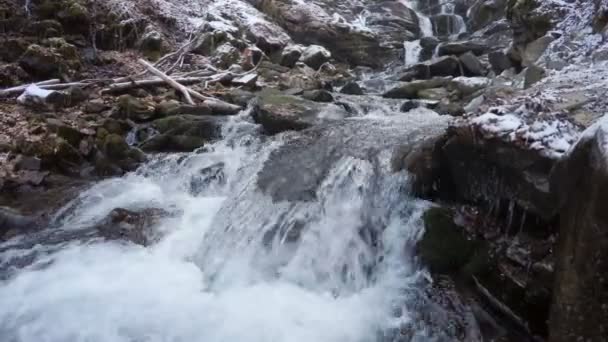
x=298 y=237
x=231 y=263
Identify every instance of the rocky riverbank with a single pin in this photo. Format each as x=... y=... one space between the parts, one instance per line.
x=94 y=89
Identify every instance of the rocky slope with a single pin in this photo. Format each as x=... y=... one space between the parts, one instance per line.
x=519 y=169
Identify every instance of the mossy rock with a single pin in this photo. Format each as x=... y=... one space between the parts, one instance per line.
x=444 y=248
x=139 y=110
x=115 y=147
x=42 y=63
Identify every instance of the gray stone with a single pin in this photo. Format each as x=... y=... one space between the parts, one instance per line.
x=318 y=95
x=458 y=48
x=532 y=75
x=471 y=65
x=290 y=55
x=409 y=90
x=499 y=61
x=314 y=56
x=27 y=163
x=352 y=88
x=444 y=66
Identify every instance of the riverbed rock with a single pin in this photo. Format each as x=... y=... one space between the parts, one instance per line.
x=532 y=75
x=352 y=88
x=12 y=220
x=183 y=133
x=131 y=226
x=471 y=65
x=481 y=170
x=290 y=55
x=444 y=248
x=444 y=66
x=499 y=61
x=314 y=56
x=318 y=95
x=458 y=48
x=580 y=302
x=409 y=90
x=277 y=112
x=468 y=85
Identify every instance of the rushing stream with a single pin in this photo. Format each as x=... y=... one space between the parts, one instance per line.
x=232 y=264
x=298 y=237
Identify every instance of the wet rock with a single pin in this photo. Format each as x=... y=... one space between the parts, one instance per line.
x=11 y=220
x=183 y=133
x=469 y=85
x=410 y=90
x=277 y=112
x=458 y=48
x=444 y=66
x=318 y=96
x=433 y=94
x=532 y=75
x=132 y=226
x=290 y=55
x=471 y=65
x=580 y=301
x=352 y=88
x=446 y=25
x=42 y=63
x=409 y=105
x=428 y=45
x=481 y=170
x=499 y=61
x=314 y=56
x=138 y=110
x=444 y=248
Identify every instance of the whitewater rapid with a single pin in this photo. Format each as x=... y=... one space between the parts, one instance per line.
x=218 y=273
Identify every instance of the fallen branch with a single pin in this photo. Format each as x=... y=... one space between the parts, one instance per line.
x=119 y=87
x=185 y=91
x=59 y=86
x=21 y=88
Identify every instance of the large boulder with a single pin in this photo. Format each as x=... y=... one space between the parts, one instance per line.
x=277 y=112
x=580 y=302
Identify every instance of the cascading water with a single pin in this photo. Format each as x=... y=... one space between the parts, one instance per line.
x=231 y=262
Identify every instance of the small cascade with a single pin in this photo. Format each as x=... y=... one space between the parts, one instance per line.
x=412 y=52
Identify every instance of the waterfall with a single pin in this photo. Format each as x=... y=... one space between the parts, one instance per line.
x=412 y=52
x=231 y=262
